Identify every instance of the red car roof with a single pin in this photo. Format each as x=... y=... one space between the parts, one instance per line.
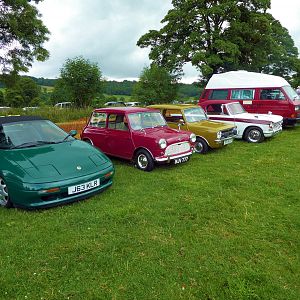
x=124 y=110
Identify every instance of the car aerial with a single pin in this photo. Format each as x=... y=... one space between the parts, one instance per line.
x=42 y=165
x=209 y=134
x=115 y=103
x=253 y=128
x=137 y=134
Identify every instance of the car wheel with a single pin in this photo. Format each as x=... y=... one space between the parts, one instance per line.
x=254 y=135
x=201 y=146
x=4 y=197
x=144 y=161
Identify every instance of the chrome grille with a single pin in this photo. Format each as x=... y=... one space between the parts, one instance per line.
x=277 y=125
x=228 y=133
x=177 y=148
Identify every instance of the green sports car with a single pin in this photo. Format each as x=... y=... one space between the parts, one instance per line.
x=42 y=166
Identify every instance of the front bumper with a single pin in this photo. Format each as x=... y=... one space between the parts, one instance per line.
x=161 y=159
x=30 y=196
x=272 y=133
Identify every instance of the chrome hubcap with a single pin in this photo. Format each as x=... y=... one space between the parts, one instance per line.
x=142 y=161
x=3 y=193
x=198 y=147
x=254 y=135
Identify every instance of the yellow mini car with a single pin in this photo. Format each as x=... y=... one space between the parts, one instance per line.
x=209 y=134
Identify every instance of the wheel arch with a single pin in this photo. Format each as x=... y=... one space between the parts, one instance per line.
x=141 y=148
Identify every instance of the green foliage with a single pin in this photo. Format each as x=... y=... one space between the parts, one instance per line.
x=60 y=93
x=218 y=36
x=24 y=93
x=119 y=88
x=83 y=80
x=22 y=36
x=2 y=98
x=155 y=85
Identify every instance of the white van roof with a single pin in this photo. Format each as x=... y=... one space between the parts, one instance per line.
x=244 y=79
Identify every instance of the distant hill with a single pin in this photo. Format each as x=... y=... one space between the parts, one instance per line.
x=124 y=87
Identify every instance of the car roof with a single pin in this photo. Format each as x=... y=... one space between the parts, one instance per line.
x=244 y=79
x=14 y=119
x=124 y=110
x=172 y=106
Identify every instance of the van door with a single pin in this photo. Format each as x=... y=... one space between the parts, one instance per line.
x=272 y=100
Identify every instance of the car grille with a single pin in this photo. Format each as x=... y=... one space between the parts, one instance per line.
x=228 y=133
x=177 y=148
x=277 y=125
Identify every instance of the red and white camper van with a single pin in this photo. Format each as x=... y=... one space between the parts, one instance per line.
x=257 y=92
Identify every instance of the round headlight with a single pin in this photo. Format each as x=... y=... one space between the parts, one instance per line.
x=162 y=143
x=193 y=138
x=219 y=134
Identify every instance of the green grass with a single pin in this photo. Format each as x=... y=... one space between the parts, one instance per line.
x=223 y=226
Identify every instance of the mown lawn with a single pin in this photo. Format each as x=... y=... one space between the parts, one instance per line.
x=225 y=225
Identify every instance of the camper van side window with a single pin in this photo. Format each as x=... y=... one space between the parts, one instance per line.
x=218 y=95
x=242 y=94
x=271 y=94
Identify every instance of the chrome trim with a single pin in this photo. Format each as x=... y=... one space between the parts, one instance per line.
x=172 y=157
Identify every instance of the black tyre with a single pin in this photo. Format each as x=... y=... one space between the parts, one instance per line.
x=201 y=146
x=4 y=197
x=254 y=135
x=144 y=161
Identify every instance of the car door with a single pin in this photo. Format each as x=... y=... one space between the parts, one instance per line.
x=96 y=130
x=118 y=137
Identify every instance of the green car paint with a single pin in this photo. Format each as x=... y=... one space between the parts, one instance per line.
x=209 y=134
x=58 y=170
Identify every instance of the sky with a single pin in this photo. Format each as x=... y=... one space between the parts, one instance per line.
x=106 y=32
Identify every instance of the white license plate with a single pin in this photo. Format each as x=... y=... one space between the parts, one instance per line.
x=181 y=160
x=226 y=142
x=83 y=187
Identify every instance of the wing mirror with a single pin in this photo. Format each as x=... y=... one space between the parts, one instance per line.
x=72 y=133
x=181 y=123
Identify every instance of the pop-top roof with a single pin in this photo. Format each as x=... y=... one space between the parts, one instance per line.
x=244 y=79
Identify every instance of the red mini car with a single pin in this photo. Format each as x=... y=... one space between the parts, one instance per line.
x=138 y=134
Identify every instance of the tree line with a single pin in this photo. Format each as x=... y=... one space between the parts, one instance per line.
x=214 y=36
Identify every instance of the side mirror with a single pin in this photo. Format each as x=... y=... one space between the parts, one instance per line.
x=73 y=133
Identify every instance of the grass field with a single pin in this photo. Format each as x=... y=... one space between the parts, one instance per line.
x=224 y=225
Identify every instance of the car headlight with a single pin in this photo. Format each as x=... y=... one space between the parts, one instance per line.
x=219 y=134
x=297 y=107
x=193 y=137
x=235 y=131
x=162 y=143
x=271 y=125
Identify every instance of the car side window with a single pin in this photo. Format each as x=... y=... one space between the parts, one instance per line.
x=98 y=120
x=271 y=94
x=214 y=109
x=173 y=115
x=218 y=95
x=242 y=94
x=117 y=122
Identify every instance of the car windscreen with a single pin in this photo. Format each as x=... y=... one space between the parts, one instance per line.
x=32 y=133
x=235 y=108
x=291 y=93
x=194 y=114
x=144 y=120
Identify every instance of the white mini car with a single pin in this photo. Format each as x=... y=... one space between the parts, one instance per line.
x=253 y=128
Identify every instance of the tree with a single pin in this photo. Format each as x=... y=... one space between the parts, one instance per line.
x=217 y=36
x=2 y=98
x=60 y=92
x=24 y=93
x=155 y=85
x=83 y=79
x=22 y=34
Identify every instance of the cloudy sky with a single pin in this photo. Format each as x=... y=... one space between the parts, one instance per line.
x=106 y=32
